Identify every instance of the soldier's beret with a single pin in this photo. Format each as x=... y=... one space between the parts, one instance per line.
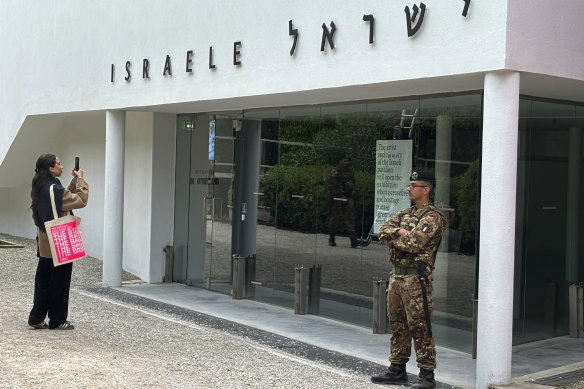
x=421 y=175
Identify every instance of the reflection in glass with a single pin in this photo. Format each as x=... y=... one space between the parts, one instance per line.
x=309 y=214
x=544 y=254
x=266 y=261
x=317 y=183
x=219 y=205
x=347 y=145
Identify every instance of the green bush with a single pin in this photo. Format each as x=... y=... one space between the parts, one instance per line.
x=465 y=191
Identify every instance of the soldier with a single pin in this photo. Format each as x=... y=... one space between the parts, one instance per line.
x=413 y=236
x=342 y=188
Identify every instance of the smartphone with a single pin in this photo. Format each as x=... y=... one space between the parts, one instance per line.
x=76 y=164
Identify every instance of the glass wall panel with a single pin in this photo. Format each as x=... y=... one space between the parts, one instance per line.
x=576 y=250
x=448 y=142
x=266 y=263
x=327 y=180
x=345 y=154
x=219 y=204
x=294 y=182
x=391 y=123
x=522 y=199
x=545 y=260
x=322 y=176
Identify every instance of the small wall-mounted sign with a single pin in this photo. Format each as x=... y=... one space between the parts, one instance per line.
x=207 y=181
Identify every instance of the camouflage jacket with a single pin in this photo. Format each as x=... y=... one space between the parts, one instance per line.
x=342 y=183
x=426 y=226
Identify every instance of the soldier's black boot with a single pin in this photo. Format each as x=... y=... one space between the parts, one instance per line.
x=395 y=374
x=365 y=242
x=355 y=242
x=425 y=380
x=332 y=240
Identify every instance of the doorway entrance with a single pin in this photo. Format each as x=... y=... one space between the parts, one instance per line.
x=216 y=200
x=203 y=206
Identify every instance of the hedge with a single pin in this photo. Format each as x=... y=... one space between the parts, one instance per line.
x=311 y=213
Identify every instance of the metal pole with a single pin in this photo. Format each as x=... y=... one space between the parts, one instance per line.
x=314 y=289
x=237 y=288
x=300 y=290
x=379 y=306
x=250 y=273
x=168 y=263
x=576 y=310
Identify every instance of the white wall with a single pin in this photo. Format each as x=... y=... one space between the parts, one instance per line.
x=15 y=215
x=163 y=162
x=137 y=193
x=57 y=54
x=56 y=58
x=149 y=181
x=67 y=137
x=148 y=193
x=546 y=37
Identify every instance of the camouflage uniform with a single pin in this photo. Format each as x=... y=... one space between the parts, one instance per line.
x=342 y=185
x=404 y=297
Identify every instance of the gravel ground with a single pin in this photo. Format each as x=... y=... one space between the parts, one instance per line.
x=120 y=345
x=577 y=385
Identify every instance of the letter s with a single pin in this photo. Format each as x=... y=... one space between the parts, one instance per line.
x=128 y=64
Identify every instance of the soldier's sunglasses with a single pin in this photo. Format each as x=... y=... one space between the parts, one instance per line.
x=413 y=186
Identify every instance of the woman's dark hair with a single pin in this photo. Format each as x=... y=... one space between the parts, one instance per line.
x=41 y=177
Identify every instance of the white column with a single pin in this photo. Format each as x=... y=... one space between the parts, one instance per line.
x=497 y=228
x=113 y=208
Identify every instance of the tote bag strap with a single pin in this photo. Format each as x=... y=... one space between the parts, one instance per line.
x=52 y=193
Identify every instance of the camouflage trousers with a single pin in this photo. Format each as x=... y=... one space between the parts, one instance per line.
x=407 y=321
x=342 y=215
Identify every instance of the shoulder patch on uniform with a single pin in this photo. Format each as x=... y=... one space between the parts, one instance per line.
x=425 y=228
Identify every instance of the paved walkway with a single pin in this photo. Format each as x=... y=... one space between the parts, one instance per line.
x=531 y=362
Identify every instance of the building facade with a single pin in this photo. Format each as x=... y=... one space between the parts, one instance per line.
x=214 y=128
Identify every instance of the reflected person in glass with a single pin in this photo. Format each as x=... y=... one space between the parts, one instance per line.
x=341 y=184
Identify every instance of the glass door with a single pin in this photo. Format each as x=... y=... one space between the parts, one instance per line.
x=190 y=191
x=219 y=210
x=203 y=192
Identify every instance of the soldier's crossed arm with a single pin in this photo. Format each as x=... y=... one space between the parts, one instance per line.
x=428 y=229
x=388 y=231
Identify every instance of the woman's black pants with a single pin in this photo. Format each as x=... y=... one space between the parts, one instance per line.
x=51 y=293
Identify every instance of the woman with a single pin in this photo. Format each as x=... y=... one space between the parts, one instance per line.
x=51 y=284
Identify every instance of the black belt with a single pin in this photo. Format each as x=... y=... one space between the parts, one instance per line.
x=404 y=270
